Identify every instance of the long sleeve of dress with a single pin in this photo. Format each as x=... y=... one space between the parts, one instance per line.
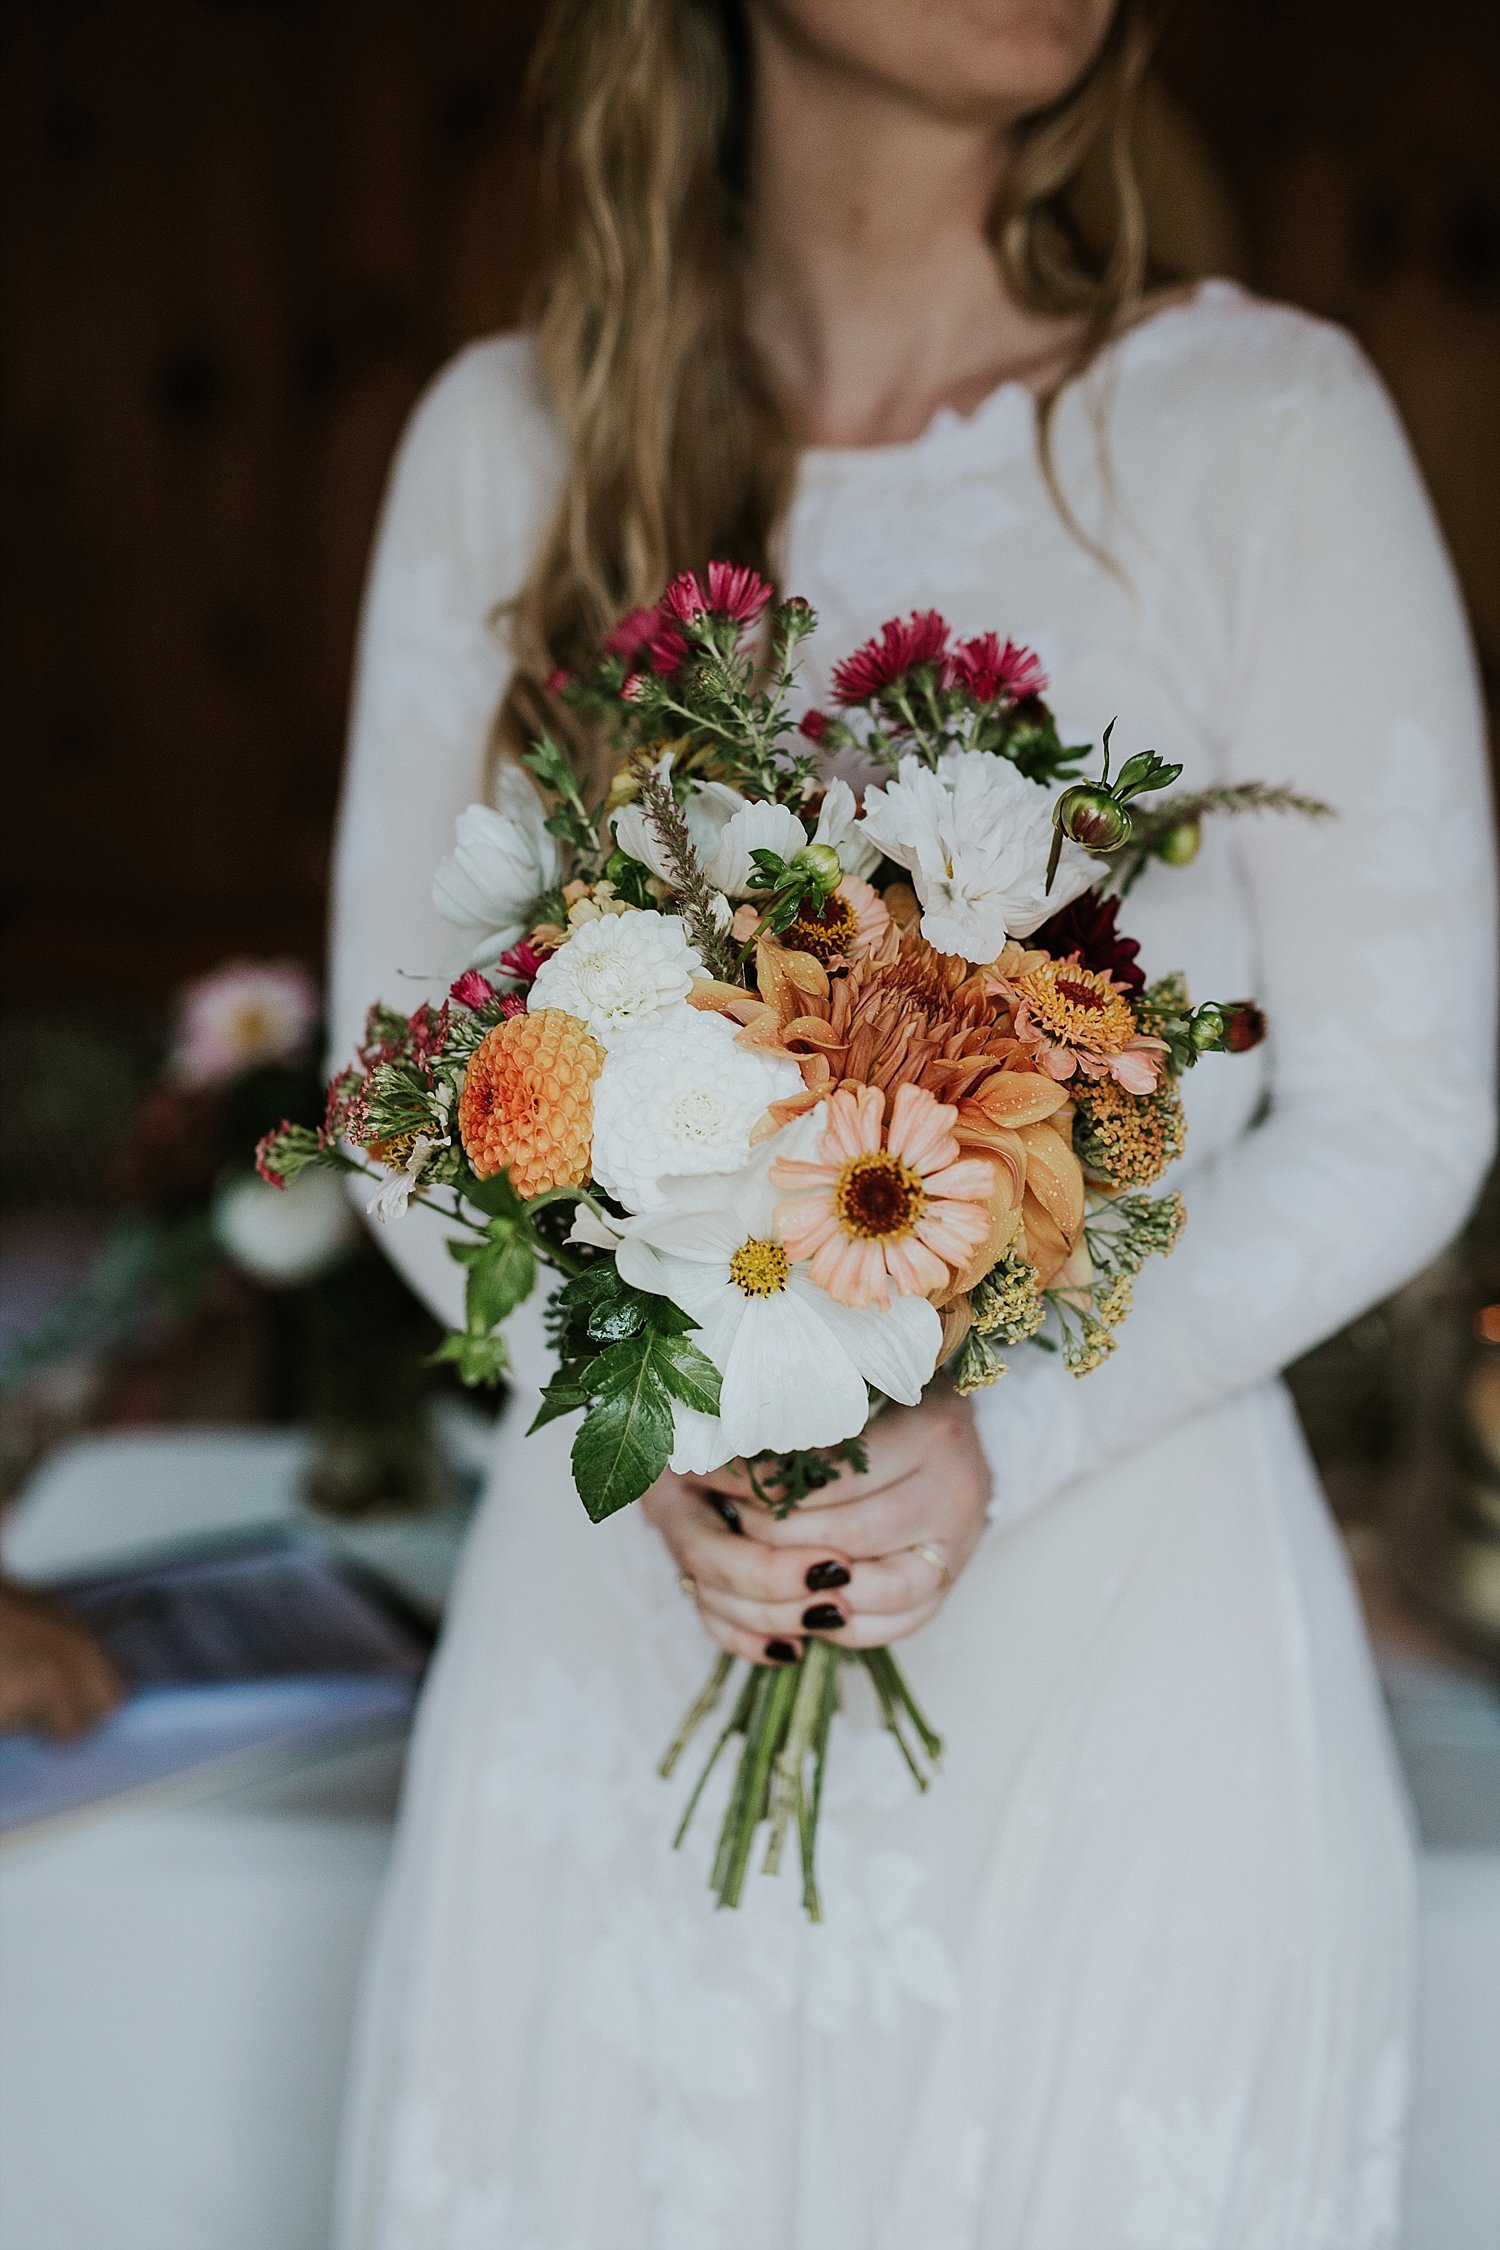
x=456 y=531
x=1376 y=959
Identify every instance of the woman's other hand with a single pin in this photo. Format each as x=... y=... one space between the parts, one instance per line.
x=868 y=1560
x=55 y=1678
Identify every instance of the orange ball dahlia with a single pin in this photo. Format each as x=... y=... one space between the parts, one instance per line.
x=528 y=1101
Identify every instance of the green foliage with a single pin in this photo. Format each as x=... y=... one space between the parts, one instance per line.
x=784 y=1480
x=625 y=1356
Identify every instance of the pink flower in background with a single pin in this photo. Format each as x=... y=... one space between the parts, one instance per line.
x=471 y=990
x=901 y=643
x=240 y=1017
x=992 y=671
x=813 y=724
x=646 y=636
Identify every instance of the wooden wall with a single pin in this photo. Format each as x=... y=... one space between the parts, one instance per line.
x=239 y=234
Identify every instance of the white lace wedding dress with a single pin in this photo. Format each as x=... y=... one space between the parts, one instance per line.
x=1137 y=1971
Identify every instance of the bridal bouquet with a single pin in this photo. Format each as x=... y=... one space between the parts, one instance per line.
x=810 y=1098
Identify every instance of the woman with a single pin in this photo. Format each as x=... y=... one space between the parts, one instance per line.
x=1136 y=1972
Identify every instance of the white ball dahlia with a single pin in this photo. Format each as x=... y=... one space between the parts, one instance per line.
x=619 y=973
x=680 y=1097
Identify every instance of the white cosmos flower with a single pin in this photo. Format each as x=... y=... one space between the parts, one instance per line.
x=503 y=861
x=975 y=835
x=725 y=827
x=837 y=825
x=680 y=1096
x=793 y=1364
x=618 y=973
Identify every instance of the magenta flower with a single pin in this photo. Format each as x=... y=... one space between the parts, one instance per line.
x=813 y=724
x=993 y=673
x=522 y=961
x=471 y=990
x=901 y=643
x=729 y=590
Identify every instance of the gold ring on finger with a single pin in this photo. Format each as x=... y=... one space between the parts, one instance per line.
x=688 y=1586
x=931 y=1555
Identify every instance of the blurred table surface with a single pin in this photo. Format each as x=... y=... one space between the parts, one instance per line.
x=178 y=1971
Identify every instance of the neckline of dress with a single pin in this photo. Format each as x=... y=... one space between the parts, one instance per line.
x=1013 y=398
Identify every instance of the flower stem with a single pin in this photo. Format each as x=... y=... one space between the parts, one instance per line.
x=698 y=1712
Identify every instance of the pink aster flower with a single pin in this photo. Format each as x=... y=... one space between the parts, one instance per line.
x=729 y=590
x=471 y=990
x=521 y=961
x=995 y=673
x=901 y=643
x=887 y=1203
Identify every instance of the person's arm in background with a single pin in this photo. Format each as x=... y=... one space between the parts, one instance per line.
x=455 y=537
x=1377 y=962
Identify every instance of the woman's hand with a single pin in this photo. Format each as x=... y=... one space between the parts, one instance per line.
x=55 y=1678
x=866 y=1561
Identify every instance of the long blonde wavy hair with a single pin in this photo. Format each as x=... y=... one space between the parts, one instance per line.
x=673 y=449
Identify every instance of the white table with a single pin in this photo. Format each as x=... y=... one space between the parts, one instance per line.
x=177 y=1976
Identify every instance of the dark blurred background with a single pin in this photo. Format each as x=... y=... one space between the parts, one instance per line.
x=238 y=237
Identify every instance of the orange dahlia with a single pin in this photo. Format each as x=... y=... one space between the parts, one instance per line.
x=528 y=1101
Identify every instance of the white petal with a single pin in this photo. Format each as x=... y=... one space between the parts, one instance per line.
x=698 y=1442
x=788 y=1381
x=760 y=826
x=896 y=1350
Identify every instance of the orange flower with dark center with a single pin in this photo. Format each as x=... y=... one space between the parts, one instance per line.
x=528 y=1101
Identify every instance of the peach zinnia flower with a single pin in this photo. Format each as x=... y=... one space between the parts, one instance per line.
x=528 y=1101
x=888 y=1203
x=1077 y=1019
x=848 y=926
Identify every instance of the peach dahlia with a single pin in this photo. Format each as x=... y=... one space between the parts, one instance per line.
x=528 y=1101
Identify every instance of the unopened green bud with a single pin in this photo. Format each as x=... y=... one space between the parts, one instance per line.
x=1093 y=817
x=821 y=863
x=1178 y=845
x=1206 y=1027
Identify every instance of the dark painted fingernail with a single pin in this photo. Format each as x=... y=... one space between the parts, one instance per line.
x=781 y=1652
x=823 y=1617
x=824 y=1576
x=728 y=1511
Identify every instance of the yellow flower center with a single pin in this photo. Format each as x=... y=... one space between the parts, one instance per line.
x=1078 y=1007
x=759 y=1269
x=878 y=1198
x=826 y=934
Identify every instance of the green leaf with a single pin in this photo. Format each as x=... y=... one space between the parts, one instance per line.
x=626 y=1436
x=500 y=1278
x=664 y=1318
x=689 y=1374
x=494 y=1195
x=479 y=1359
x=568 y=1390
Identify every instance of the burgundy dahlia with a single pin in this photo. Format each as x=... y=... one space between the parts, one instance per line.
x=901 y=643
x=1086 y=928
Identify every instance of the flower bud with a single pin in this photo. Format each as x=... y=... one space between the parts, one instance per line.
x=821 y=862
x=1207 y=1027
x=1178 y=845
x=1244 y=1026
x=1091 y=816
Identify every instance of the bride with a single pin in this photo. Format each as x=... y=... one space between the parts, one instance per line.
x=1137 y=1972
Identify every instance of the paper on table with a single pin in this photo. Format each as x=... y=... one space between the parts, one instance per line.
x=231 y=1654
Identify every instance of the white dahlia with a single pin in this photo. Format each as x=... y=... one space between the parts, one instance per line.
x=793 y=1364
x=975 y=835
x=619 y=973
x=503 y=860
x=680 y=1096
